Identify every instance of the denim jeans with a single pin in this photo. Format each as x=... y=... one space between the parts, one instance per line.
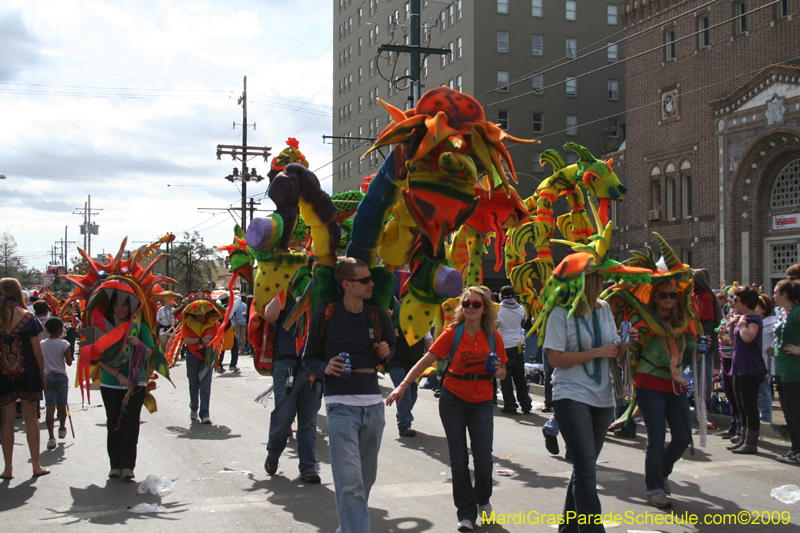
x=765 y=399
x=659 y=407
x=195 y=367
x=355 y=435
x=531 y=348
x=301 y=400
x=790 y=403
x=459 y=417
x=404 y=407
x=515 y=377
x=583 y=428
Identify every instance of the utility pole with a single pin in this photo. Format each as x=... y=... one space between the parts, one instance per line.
x=63 y=244
x=414 y=49
x=242 y=153
x=253 y=205
x=87 y=228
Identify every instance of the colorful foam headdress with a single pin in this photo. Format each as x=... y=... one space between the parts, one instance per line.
x=195 y=316
x=565 y=288
x=290 y=154
x=120 y=280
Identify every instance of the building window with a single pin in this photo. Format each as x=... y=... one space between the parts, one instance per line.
x=613 y=89
x=741 y=22
x=572 y=125
x=450 y=84
x=537 y=83
x=783 y=9
x=360 y=44
x=537 y=166
x=443 y=60
x=360 y=75
x=451 y=55
x=572 y=47
x=572 y=86
x=672 y=191
x=704 y=34
x=502 y=119
x=538 y=45
x=443 y=20
x=349 y=82
x=360 y=16
x=340 y=115
x=425 y=68
x=341 y=84
x=459 y=83
x=613 y=122
x=360 y=106
x=536 y=8
x=686 y=196
x=572 y=9
x=502 y=41
x=538 y=122
x=451 y=11
x=572 y=158
x=371 y=98
x=669 y=41
x=502 y=80
x=459 y=47
x=502 y=6
x=612 y=52
x=458 y=10
x=655 y=199
x=371 y=37
x=371 y=67
x=611 y=14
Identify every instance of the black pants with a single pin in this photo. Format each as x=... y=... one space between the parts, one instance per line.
x=746 y=388
x=730 y=393
x=515 y=377
x=121 y=443
x=548 y=380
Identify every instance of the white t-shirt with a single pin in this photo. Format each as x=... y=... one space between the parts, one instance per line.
x=572 y=382
x=768 y=340
x=53 y=351
x=509 y=319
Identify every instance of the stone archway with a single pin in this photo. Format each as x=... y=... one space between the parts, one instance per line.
x=749 y=222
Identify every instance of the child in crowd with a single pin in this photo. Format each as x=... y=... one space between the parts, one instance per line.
x=57 y=356
x=42 y=312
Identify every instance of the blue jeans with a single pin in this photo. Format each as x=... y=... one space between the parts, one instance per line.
x=531 y=348
x=195 y=367
x=459 y=417
x=300 y=399
x=658 y=407
x=583 y=428
x=355 y=435
x=404 y=407
x=765 y=399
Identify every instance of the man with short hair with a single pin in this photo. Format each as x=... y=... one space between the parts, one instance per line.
x=354 y=404
x=793 y=272
x=510 y=317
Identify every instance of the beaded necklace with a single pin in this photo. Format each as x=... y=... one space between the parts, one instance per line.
x=596 y=374
x=14 y=303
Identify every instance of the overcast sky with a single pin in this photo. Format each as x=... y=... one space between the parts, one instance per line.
x=127 y=101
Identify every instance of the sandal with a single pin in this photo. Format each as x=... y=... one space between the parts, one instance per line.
x=711 y=425
x=44 y=472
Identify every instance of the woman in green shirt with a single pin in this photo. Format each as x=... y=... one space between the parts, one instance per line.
x=787 y=362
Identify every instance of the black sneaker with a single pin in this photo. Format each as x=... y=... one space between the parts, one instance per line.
x=407 y=432
x=308 y=477
x=550 y=442
x=234 y=369
x=270 y=466
x=547 y=409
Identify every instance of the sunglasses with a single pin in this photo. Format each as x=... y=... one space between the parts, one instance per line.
x=477 y=304
x=363 y=281
x=665 y=295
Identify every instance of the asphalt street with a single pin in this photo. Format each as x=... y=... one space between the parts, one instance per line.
x=220 y=483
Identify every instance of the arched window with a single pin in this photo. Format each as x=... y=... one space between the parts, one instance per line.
x=656 y=171
x=655 y=193
x=686 y=189
x=686 y=165
x=786 y=191
x=670 y=168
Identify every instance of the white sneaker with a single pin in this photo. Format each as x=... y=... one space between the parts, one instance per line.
x=205 y=420
x=464 y=525
x=484 y=509
x=51 y=444
x=193 y=416
x=127 y=473
x=62 y=433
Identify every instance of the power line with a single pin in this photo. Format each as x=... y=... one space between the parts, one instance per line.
x=116 y=182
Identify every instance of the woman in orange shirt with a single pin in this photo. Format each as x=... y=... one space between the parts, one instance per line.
x=465 y=403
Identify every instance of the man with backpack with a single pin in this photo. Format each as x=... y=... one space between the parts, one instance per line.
x=354 y=404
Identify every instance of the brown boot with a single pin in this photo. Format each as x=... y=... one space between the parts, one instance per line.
x=738 y=444
x=750 y=443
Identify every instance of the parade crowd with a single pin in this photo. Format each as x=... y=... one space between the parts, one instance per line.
x=751 y=352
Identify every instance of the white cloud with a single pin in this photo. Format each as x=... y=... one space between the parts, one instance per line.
x=129 y=97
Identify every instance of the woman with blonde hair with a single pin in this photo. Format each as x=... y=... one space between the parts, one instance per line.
x=21 y=373
x=465 y=403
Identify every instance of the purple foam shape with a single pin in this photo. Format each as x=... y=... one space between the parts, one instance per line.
x=259 y=233
x=449 y=282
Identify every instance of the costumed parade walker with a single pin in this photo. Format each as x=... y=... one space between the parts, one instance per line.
x=104 y=338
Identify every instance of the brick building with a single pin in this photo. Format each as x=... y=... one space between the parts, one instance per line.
x=712 y=157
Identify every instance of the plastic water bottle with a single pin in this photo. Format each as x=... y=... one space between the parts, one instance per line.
x=625 y=333
x=491 y=362
x=346 y=372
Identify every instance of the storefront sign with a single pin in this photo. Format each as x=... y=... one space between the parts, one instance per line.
x=786 y=221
